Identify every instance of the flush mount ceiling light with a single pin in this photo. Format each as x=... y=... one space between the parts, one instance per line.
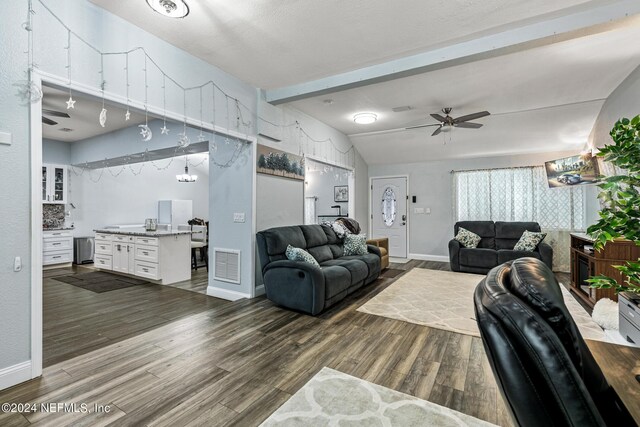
x=365 y=118
x=170 y=8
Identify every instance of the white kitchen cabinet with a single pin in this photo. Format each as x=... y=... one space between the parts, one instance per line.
x=57 y=247
x=160 y=256
x=123 y=257
x=54 y=184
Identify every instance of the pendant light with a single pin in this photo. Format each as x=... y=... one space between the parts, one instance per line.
x=186 y=177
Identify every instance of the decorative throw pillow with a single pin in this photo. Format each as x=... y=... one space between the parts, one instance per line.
x=467 y=238
x=355 y=244
x=529 y=241
x=298 y=254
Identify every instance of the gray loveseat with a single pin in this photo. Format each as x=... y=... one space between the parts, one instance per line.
x=496 y=246
x=302 y=286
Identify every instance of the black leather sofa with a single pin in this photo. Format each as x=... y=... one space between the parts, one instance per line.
x=496 y=246
x=543 y=367
x=302 y=286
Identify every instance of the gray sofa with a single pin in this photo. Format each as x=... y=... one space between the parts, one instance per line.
x=302 y=286
x=496 y=246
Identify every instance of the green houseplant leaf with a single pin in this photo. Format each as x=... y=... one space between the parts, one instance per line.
x=620 y=200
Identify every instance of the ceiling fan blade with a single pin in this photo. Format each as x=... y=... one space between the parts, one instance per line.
x=439 y=118
x=437 y=131
x=471 y=117
x=422 y=126
x=48 y=121
x=468 y=125
x=55 y=113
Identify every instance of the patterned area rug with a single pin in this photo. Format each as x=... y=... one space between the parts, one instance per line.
x=444 y=300
x=332 y=398
x=100 y=281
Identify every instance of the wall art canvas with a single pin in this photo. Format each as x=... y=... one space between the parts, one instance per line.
x=570 y=171
x=341 y=193
x=279 y=163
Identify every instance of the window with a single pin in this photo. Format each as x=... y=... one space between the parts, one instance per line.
x=521 y=194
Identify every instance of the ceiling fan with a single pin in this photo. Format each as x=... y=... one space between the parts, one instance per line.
x=447 y=122
x=54 y=113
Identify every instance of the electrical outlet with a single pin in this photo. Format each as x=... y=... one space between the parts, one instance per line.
x=238 y=217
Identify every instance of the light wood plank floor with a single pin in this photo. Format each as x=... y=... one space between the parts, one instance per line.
x=235 y=363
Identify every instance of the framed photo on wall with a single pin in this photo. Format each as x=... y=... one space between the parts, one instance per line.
x=341 y=193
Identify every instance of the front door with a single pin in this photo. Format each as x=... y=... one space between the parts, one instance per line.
x=389 y=213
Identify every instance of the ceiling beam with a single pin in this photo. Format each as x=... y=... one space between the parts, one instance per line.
x=578 y=24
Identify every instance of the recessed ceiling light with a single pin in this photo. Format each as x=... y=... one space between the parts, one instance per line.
x=170 y=8
x=365 y=118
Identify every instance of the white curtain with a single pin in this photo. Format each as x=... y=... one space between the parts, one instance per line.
x=522 y=194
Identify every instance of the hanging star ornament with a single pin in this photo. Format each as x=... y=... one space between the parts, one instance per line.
x=127 y=115
x=164 y=130
x=201 y=137
x=71 y=103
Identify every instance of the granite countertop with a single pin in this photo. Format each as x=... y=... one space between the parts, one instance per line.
x=57 y=228
x=141 y=232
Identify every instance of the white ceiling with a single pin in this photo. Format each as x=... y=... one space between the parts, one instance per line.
x=274 y=43
x=541 y=99
x=84 y=116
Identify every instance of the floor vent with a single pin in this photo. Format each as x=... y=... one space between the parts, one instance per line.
x=226 y=265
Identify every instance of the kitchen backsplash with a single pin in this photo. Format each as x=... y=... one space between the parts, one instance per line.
x=52 y=216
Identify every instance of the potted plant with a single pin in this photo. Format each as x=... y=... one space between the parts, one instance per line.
x=620 y=201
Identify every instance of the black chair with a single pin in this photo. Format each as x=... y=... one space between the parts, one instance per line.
x=543 y=367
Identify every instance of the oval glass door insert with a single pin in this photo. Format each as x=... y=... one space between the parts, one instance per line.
x=389 y=207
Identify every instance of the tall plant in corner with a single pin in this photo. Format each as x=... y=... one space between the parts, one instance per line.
x=620 y=200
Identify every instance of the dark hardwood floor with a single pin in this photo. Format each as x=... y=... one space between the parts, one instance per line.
x=158 y=355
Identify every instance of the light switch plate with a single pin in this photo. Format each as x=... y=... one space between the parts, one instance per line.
x=238 y=217
x=418 y=210
x=5 y=138
x=427 y=210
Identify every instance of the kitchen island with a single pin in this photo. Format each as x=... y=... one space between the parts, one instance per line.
x=160 y=256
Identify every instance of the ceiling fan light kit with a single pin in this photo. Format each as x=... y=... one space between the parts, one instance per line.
x=365 y=118
x=170 y=8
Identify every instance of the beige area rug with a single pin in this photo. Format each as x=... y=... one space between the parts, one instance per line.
x=444 y=300
x=332 y=398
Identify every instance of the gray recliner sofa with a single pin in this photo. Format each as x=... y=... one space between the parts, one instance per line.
x=302 y=286
x=496 y=246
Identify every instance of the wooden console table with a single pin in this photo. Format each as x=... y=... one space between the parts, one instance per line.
x=587 y=263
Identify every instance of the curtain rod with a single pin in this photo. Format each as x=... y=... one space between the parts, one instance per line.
x=493 y=169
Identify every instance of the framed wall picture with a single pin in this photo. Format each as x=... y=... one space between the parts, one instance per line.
x=341 y=193
x=279 y=163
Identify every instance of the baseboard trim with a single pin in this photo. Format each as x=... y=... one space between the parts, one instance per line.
x=260 y=290
x=226 y=294
x=15 y=374
x=423 y=257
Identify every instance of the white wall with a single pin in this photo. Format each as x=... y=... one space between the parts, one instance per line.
x=56 y=152
x=623 y=102
x=273 y=194
x=431 y=182
x=128 y=198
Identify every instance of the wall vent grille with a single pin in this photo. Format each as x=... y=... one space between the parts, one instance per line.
x=226 y=265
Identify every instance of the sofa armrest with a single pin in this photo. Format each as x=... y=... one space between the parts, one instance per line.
x=546 y=254
x=381 y=242
x=296 y=285
x=374 y=250
x=454 y=255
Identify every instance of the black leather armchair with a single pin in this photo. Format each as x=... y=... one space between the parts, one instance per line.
x=543 y=367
